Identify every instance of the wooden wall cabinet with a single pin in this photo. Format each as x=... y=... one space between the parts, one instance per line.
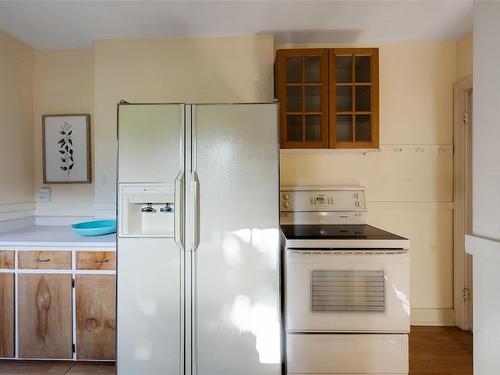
x=329 y=98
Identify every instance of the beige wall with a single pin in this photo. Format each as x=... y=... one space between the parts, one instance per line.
x=464 y=57
x=16 y=124
x=409 y=192
x=171 y=70
x=63 y=82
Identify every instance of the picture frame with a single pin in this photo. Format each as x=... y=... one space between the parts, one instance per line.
x=66 y=146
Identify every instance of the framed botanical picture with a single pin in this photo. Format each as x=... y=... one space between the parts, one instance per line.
x=66 y=149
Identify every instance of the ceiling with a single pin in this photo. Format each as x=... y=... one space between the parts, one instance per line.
x=74 y=24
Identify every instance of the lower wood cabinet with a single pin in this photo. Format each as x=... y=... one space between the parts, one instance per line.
x=61 y=304
x=7 y=315
x=44 y=303
x=95 y=316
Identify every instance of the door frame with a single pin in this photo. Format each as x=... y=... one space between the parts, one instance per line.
x=462 y=189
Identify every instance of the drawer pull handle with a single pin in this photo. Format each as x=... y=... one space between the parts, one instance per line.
x=38 y=260
x=101 y=261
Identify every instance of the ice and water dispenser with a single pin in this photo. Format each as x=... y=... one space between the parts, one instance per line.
x=146 y=210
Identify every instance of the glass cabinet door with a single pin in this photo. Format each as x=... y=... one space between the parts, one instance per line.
x=302 y=88
x=354 y=107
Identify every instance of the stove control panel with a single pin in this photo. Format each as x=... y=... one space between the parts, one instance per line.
x=350 y=199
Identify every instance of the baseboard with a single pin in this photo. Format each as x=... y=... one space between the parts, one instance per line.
x=432 y=317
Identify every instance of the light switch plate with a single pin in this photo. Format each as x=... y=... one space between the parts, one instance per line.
x=44 y=195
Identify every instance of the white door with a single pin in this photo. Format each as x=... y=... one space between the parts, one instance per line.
x=236 y=300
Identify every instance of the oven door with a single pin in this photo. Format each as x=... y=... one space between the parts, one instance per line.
x=347 y=291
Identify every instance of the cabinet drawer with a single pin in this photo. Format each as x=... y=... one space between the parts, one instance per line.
x=45 y=259
x=95 y=260
x=6 y=259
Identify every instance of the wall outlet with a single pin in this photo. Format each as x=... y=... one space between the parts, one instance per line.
x=44 y=195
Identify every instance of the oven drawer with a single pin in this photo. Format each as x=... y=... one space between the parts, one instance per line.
x=347 y=354
x=332 y=291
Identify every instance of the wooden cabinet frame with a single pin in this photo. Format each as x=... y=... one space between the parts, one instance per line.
x=9 y=266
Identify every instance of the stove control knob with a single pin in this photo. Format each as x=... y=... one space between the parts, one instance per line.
x=356 y=195
x=356 y=204
x=286 y=204
x=286 y=196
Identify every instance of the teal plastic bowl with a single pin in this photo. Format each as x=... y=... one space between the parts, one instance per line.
x=95 y=227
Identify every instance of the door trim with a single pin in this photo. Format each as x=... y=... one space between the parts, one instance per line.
x=462 y=218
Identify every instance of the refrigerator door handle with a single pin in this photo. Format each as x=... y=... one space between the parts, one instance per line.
x=195 y=187
x=178 y=210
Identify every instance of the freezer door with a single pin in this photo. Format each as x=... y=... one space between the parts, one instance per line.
x=150 y=277
x=235 y=239
x=150 y=145
x=149 y=307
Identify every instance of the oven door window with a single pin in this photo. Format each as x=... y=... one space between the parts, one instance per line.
x=348 y=291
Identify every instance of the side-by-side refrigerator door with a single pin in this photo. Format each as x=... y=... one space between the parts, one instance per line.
x=234 y=183
x=150 y=239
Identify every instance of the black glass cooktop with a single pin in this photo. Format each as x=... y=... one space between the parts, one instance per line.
x=337 y=232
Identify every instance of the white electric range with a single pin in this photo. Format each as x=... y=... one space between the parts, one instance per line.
x=346 y=300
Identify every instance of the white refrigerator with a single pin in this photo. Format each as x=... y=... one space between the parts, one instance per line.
x=198 y=240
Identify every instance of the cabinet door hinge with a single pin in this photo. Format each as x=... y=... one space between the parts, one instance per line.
x=73 y=282
x=73 y=348
x=466 y=118
x=467 y=294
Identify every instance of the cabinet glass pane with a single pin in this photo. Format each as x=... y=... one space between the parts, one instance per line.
x=343 y=68
x=312 y=69
x=363 y=128
x=344 y=98
x=363 y=98
x=362 y=72
x=343 y=128
x=313 y=98
x=294 y=128
x=294 y=99
x=294 y=69
x=313 y=127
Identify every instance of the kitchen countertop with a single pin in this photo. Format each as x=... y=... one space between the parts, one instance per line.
x=53 y=237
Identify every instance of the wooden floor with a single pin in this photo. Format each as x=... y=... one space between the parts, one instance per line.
x=440 y=351
x=433 y=351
